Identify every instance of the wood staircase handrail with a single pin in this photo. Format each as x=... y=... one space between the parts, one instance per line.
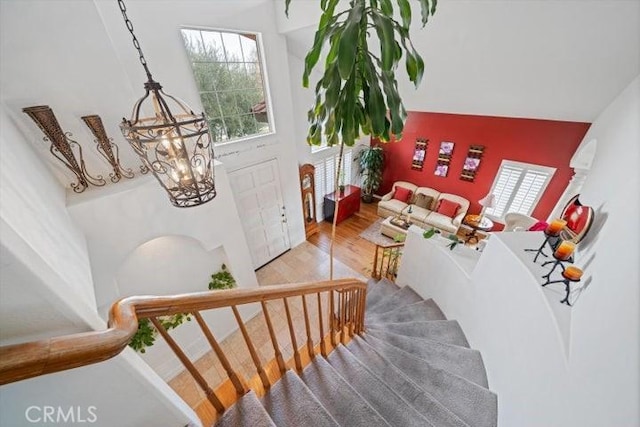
x=391 y=246
x=32 y=359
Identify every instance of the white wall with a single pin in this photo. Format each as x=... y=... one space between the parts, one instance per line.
x=33 y=205
x=551 y=364
x=46 y=290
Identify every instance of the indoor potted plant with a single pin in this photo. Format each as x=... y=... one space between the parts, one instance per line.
x=371 y=162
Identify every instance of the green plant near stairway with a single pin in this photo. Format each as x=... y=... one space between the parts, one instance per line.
x=358 y=92
x=146 y=334
x=370 y=165
x=223 y=279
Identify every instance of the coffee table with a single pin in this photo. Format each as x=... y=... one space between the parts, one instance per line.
x=476 y=223
x=392 y=226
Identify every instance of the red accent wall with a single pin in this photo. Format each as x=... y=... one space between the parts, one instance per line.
x=542 y=142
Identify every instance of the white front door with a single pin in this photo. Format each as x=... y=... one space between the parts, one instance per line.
x=262 y=213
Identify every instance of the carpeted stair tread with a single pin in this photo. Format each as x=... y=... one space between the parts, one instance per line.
x=419 y=311
x=379 y=291
x=246 y=412
x=342 y=402
x=473 y=404
x=461 y=361
x=402 y=297
x=395 y=410
x=290 y=403
x=417 y=397
x=444 y=331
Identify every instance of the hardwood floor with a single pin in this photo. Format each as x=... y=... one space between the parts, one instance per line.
x=351 y=249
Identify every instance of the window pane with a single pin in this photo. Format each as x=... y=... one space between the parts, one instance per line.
x=228 y=76
x=232 y=47
x=249 y=48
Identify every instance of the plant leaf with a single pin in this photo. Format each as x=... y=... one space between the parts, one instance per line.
x=405 y=13
x=349 y=41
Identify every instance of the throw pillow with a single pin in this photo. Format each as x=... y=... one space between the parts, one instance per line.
x=447 y=208
x=539 y=226
x=402 y=194
x=423 y=201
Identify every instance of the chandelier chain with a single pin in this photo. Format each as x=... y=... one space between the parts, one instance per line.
x=136 y=43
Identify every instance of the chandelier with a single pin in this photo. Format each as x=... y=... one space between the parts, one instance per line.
x=172 y=142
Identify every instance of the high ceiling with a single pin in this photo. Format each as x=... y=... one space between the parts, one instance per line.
x=554 y=59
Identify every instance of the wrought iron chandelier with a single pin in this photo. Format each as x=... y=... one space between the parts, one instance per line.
x=172 y=142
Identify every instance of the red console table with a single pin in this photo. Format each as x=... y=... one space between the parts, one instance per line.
x=349 y=203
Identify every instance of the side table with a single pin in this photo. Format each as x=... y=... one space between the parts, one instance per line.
x=349 y=201
x=476 y=223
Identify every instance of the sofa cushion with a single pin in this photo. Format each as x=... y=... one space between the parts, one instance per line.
x=402 y=194
x=418 y=214
x=447 y=208
x=423 y=201
x=441 y=222
x=393 y=205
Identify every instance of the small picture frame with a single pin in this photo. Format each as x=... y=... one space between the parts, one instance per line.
x=420 y=152
x=441 y=170
x=444 y=157
x=472 y=163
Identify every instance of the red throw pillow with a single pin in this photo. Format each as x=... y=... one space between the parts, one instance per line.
x=402 y=194
x=539 y=226
x=447 y=208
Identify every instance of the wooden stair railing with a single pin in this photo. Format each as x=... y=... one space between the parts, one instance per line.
x=345 y=319
x=386 y=261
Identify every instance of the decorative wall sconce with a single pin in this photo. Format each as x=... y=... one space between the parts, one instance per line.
x=172 y=142
x=107 y=148
x=419 y=154
x=62 y=147
x=472 y=163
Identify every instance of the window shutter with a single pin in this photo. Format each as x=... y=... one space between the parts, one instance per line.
x=518 y=187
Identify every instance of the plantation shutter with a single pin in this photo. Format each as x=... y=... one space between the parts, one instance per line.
x=518 y=187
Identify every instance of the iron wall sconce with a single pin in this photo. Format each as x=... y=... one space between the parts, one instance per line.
x=107 y=148
x=62 y=147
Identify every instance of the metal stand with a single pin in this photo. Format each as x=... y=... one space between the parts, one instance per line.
x=567 y=288
x=540 y=251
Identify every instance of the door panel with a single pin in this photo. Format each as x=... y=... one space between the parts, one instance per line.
x=259 y=198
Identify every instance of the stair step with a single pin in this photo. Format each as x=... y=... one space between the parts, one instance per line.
x=344 y=404
x=376 y=291
x=395 y=410
x=402 y=297
x=473 y=404
x=419 y=311
x=246 y=412
x=290 y=403
x=461 y=361
x=417 y=397
x=444 y=331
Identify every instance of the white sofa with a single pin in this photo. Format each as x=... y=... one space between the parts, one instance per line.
x=424 y=217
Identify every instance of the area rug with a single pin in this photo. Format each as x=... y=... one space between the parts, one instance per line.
x=372 y=234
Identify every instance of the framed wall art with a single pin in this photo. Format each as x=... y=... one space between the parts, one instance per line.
x=472 y=163
x=444 y=158
x=419 y=154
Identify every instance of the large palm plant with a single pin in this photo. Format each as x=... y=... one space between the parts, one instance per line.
x=370 y=165
x=358 y=92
